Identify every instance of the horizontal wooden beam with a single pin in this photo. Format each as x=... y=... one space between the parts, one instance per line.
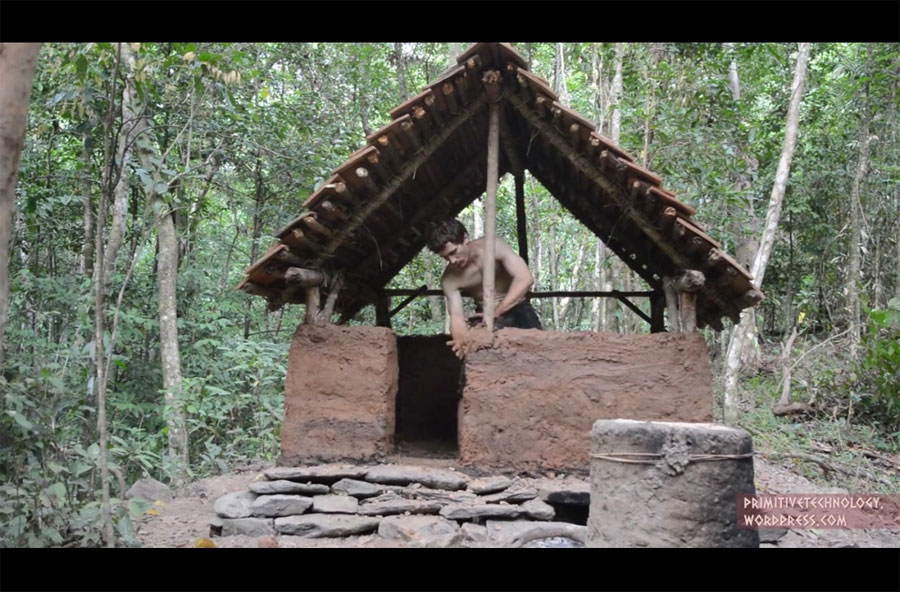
x=551 y=294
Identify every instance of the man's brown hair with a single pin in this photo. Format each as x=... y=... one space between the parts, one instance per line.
x=448 y=231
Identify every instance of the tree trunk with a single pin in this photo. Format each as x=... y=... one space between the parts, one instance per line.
x=18 y=62
x=167 y=273
x=573 y=285
x=650 y=105
x=733 y=81
x=615 y=127
x=87 y=249
x=131 y=126
x=452 y=53
x=598 y=306
x=559 y=76
x=401 y=71
x=553 y=256
x=168 y=335
x=617 y=268
x=853 y=277
x=742 y=330
x=256 y=232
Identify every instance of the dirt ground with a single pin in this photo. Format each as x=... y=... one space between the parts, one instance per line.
x=186 y=518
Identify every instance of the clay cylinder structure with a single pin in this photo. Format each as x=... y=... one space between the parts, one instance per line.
x=668 y=484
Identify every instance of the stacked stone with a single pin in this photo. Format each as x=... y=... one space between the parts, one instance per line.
x=433 y=507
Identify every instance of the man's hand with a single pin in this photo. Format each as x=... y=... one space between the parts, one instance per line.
x=458 y=346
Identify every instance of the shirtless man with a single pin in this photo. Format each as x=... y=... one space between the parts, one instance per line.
x=463 y=276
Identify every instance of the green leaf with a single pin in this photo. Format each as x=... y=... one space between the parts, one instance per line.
x=24 y=423
x=52 y=535
x=56 y=382
x=126 y=529
x=81 y=67
x=207 y=57
x=58 y=490
x=137 y=506
x=57 y=469
x=146 y=179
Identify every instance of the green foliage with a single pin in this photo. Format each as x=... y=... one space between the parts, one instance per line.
x=877 y=387
x=242 y=133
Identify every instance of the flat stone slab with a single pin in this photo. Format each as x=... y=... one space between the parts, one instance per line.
x=328 y=473
x=326 y=525
x=335 y=504
x=280 y=505
x=512 y=496
x=247 y=526
x=489 y=485
x=285 y=486
x=568 y=491
x=473 y=511
x=405 y=474
x=426 y=531
x=771 y=535
x=553 y=543
x=398 y=506
x=438 y=495
x=537 y=509
x=356 y=488
x=473 y=533
x=238 y=504
x=505 y=532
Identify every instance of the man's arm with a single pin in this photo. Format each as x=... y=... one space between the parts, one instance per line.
x=458 y=330
x=522 y=280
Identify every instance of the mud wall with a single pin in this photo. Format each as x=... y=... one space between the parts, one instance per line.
x=530 y=401
x=429 y=391
x=340 y=394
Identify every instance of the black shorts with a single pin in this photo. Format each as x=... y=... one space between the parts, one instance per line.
x=521 y=316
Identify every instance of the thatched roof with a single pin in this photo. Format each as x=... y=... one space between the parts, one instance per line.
x=371 y=217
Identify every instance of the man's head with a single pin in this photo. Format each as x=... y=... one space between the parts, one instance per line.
x=449 y=239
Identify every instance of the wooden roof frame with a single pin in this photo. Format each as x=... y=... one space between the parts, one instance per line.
x=371 y=217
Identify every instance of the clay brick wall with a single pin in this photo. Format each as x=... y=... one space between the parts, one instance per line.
x=530 y=401
x=340 y=394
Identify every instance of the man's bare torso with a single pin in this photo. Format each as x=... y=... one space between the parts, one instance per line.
x=469 y=279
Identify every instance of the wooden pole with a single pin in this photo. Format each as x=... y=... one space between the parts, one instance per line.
x=521 y=228
x=672 y=305
x=688 y=312
x=492 y=82
x=312 y=304
x=383 y=310
x=657 y=309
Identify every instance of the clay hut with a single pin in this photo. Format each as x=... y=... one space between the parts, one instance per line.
x=528 y=402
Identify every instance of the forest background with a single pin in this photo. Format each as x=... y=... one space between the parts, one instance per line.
x=153 y=174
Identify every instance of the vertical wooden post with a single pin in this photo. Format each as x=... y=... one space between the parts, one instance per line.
x=688 y=312
x=312 y=303
x=521 y=227
x=657 y=308
x=686 y=285
x=491 y=81
x=383 y=310
x=672 y=305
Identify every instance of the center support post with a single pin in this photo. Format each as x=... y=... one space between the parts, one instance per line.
x=491 y=81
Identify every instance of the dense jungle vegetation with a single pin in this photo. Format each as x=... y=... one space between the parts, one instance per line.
x=153 y=174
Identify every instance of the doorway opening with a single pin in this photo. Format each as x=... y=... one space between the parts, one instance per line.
x=428 y=397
